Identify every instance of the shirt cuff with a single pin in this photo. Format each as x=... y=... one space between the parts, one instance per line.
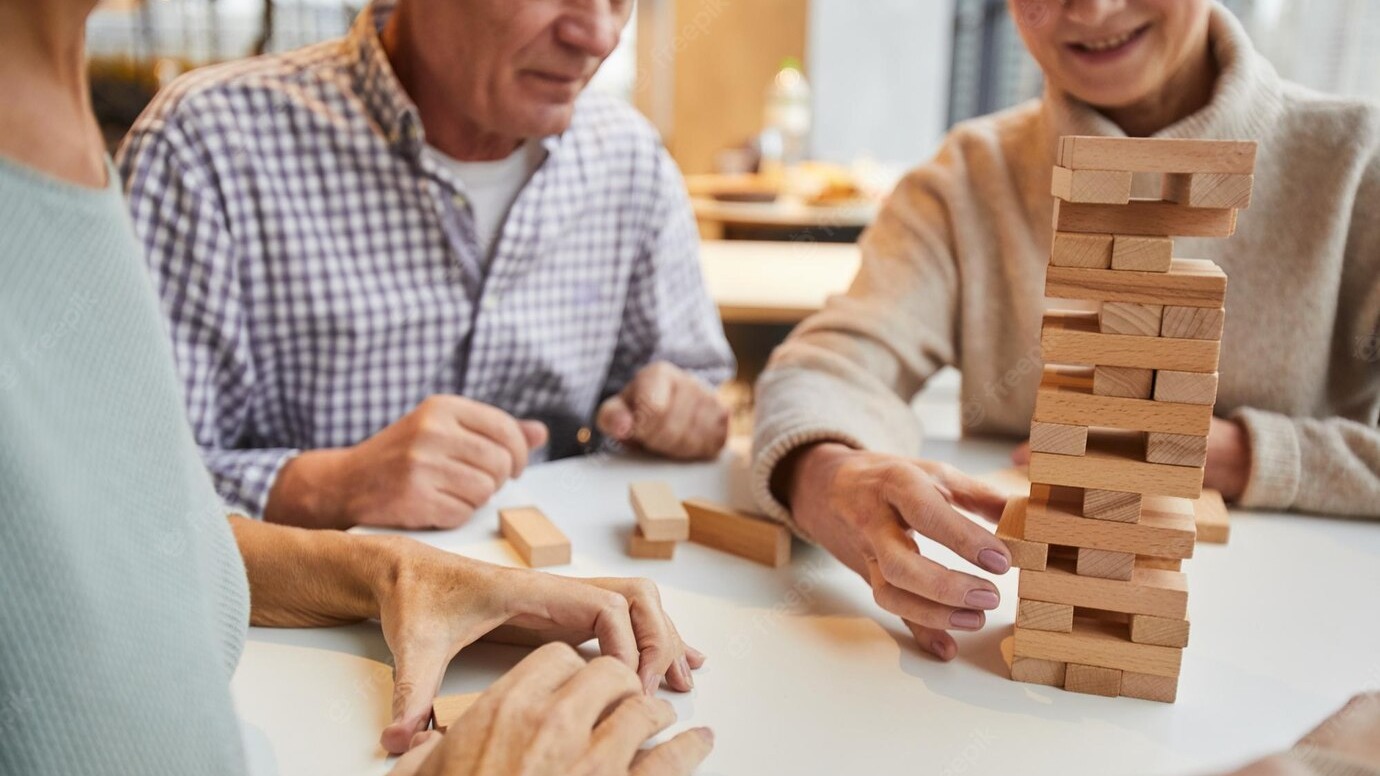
x=1276 y=460
x=244 y=478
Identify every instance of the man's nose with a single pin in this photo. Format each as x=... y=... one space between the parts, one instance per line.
x=594 y=29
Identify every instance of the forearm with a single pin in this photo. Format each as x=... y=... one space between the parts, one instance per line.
x=1329 y=466
x=300 y=578
x=305 y=494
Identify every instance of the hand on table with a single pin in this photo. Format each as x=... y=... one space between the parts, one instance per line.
x=431 y=469
x=1228 y=458
x=667 y=411
x=553 y=715
x=1352 y=735
x=862 y=507
x=436 y=603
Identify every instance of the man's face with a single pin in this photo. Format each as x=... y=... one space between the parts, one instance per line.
x=519 y=64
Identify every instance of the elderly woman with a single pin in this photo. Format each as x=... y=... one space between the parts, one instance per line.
x=126 y=587
x=953 y=273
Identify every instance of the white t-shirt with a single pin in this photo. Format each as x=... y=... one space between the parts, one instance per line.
x=492 y=187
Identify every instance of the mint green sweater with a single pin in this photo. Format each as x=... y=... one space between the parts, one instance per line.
x=123 y=599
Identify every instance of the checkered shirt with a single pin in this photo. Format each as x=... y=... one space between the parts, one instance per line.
x=320 y=273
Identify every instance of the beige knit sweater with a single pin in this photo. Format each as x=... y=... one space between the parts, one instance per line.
x=954 y=268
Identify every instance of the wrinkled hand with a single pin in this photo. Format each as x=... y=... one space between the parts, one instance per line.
x=431 y=469
x=863 y=506
x=1228 y=458
x=438 y=603
x=667 y=411
x=553 y=715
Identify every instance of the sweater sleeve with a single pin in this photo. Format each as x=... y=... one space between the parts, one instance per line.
x=848 y=373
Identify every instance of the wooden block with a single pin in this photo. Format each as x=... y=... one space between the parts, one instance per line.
x=1097 y=643
x=1188 y=283
x=1167 y=564
x=1112 y=505
x=1091 y=251
x=640 y=546
x=1102 y=186
x=1140 y=320
x=1149 y=687
x=660 y=516
x=1123 y=382
x=736 y=533
x=1193 y=322
x=1212 y=518
x=446 y=709
x=1176 y=449
x=1181 y=388
x=1053 y=518
x=1073 y=338
x=1142 y=254
x=1133 y=154
x=1149 y=591
x=1011 y=530
x=1209 y=189
x=1105 y=564
x=1148 y=217
x=1164 y=631
x=1070 y=400
x=1035 y=671
x=1058 y=438
x=536 y=539
x=1092 y=680
x=1042 y=615
x=1116 y=461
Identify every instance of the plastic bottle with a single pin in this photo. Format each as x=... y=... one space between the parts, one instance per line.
x=787 y=116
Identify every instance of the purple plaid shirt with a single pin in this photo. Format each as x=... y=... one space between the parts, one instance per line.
x=320 y=273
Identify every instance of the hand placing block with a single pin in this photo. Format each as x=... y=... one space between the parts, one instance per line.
x=537 y=540
x=726 y=529
x=659 y=514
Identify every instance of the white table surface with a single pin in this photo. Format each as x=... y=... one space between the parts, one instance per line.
x=807 y=676
x=775 y=282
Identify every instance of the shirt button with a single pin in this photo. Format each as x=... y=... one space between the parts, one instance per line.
x=490 y=303
x=459 y=200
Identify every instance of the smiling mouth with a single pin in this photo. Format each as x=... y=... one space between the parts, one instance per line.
x=1111 y=44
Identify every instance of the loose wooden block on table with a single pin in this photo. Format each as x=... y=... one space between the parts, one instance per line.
x=1193 y=322
x=1209 y=189
x=1165 y=528
x=1088 y=152
x=1144 y=217
x=1096 y=643
x=446 y=709
x=1073 y=338
x=1149 y=687
x=1115 y=460
x=641 y=547
x=1140 y=320
x=1188 y=283
x=1181 y=388
x=1105 y=564
x=1113 y=505
x=1068 y=396
x=1102 y=186
x=1212 y=518
x=1142 y=254
x=1176 y=449
x=1163 y=631
x=1011 y=530
x=1149 y=591
x=659 y=514
x=1123 y=382
x=1042 y=615
x=1035 y=671
x=1090 y=251
x=536 y=539
x=1092 y=680
x=1058 y=438
x=726 y=529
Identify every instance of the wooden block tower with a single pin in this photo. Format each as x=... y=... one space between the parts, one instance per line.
x=1119 y=437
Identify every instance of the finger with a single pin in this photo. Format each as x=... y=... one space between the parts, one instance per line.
x=416 y=678
x=936 y=642
x=695 y=657
x=658 y=644
x=922 y=507
x=1021 y=455
x=653 y=386
x=668 y=430
x=474 y=450
x=500 y=427
x=617 y=739
x=535 y=433
x=919 y=610
x=419 y=749
x=677 y=757
x=467 y=484
x=615 y=418
x=577 y=605
x=582 y=701
x=901 y=565
x=968 y=492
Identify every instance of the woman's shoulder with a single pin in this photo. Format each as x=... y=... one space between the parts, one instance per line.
x=1330 y=122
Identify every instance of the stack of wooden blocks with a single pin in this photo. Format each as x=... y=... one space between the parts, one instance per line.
x=1119 y=438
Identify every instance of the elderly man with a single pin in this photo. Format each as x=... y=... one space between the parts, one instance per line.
x=377 y=254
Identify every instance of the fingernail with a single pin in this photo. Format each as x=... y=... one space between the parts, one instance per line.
x=993 y=561
x=965 y=619
x=706 y=734
x=940 y=649
x=981 y=599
